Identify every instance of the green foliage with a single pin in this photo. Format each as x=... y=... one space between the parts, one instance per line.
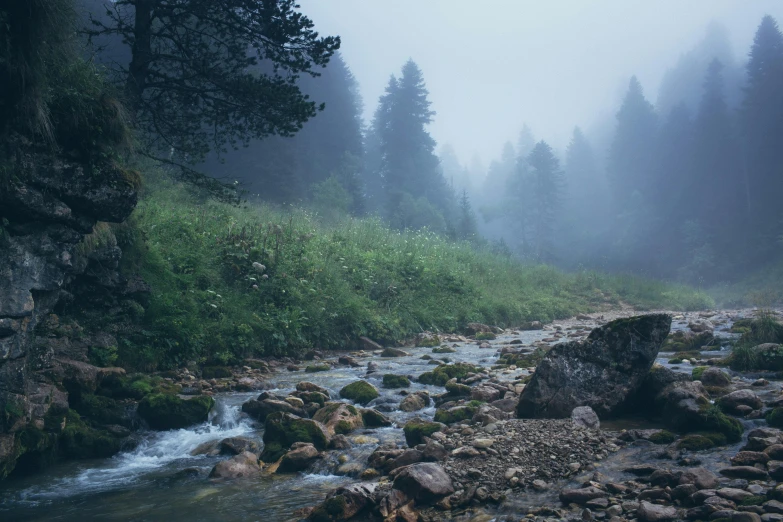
x=360 y=392
x=216 y=372
x=102 y=356
x=395 y=381
x=762 y=329
x=331 y=200
x=327 y=285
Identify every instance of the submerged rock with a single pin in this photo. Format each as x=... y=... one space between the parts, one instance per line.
x=600 y=372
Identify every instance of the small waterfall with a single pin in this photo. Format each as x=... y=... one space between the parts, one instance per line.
x=158 y=451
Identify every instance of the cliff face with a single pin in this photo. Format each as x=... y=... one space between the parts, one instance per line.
x=44 y=215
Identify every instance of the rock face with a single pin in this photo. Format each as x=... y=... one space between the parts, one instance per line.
x=45 y=212
x=600 y=372
x=170 y=412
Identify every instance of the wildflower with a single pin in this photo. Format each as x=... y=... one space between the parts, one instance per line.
x=213 y=305
x=255 y=287
x=258 y=266
x=264 y=277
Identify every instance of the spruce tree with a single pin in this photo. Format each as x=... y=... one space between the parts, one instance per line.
x=543 y=182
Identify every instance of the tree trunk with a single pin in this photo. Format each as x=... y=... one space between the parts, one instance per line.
x=141 y=51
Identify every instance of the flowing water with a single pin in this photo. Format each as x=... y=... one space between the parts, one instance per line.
x=161 y=480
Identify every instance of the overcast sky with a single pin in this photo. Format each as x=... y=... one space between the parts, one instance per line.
x=493 y=65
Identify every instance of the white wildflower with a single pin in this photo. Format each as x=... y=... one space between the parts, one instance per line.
x=264 y=276
x=258 y=266
x=255 y=287
x=213 y=305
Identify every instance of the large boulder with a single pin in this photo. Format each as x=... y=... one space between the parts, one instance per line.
x=600 y=372
x=415 y=402
x=346 y=502
x=171 y=412
x=339 y=418
x=734 y=402
x=424 y=482
x=281 y=430
x=685 y=406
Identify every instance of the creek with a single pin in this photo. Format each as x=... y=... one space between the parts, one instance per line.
x=160 y=478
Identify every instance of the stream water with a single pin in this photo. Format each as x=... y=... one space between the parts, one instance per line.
x=161 y=480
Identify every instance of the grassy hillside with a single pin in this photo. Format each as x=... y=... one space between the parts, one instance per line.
x=229 y=282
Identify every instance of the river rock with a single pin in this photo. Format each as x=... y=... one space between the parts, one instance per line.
x=485 y=393
x=585 y=416
x=238 y=445
x=600 y=372
x=713 y=376
x=581 y=495
x=339 y=418
x=702 y=478
x=360 y=392
x=306 y=386
x=260 y=409
x=424 y=482
x=346 y=502
x=745 y=472
x=393 y=352
x=281 y=430
x=730 y=403
x=243 y=465
x=299 y=458
x=415 y=402
x=655 y=513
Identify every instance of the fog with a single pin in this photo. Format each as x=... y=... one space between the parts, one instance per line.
x=494 y=65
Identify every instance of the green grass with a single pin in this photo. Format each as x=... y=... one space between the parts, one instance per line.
x=324 y=286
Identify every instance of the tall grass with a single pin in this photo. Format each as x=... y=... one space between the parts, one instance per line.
x=229 y=282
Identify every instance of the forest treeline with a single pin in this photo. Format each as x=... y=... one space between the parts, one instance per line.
x=686 y=187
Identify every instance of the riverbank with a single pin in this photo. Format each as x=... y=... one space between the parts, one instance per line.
x=162 y=478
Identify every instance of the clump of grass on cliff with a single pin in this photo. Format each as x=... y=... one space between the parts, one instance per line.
x=229 y=282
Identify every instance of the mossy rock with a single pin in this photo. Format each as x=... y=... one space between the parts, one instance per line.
x=444 y=349
x=32 y=450
x=715 y=421
x=485 y=336
x=216 y=372
x=702 y=441
x=755 y=500
x=662 y=437
x=374 y=419
x=393 y=352
x=416 y=429
x=427 y=341
x=445 y=372
x=311 y=397
x=329 y=510
x=80 y=441
x=456 y=414
x=775 y=418
x=314 y=368
x=360 y=392
x=697 y=372
x=170 y=412
x=103 y=410
x=395 y=381
x=426 y=357
x=457 y=390
x=283 y=429
x=675 y=361
x=130 y=387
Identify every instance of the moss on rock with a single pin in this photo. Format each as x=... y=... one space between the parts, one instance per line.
x=456 y=414
x=360 y=392
x=662 y=437
x=283 y=429
x=216 y=372
x=445 y=372
x=444 y=349
x=170 y=412
x=395 y=381
x=775 y=418
x=314 y=368
x=416 y=429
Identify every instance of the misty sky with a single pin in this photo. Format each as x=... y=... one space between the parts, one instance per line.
x=491 y=66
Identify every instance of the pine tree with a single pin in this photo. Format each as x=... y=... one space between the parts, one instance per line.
x=631 y=153
x=543 y=182
x=466 y=223
x=409 y=165
x=762 y=126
